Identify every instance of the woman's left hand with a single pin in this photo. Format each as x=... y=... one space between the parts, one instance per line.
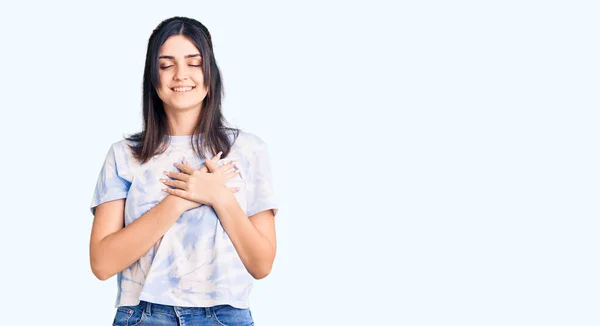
x=200 y=185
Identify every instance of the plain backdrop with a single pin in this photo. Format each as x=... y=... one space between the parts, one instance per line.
x=435 y=162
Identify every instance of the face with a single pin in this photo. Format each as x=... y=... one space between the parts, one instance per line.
x=181 y=77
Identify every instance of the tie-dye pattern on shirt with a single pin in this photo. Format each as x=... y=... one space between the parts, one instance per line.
x=194 y=264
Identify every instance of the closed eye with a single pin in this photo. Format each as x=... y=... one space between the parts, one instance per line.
x=167 y=67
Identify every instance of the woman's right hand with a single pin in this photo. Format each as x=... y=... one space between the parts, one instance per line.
x=184 y=204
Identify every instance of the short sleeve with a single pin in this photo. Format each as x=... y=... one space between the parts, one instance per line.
x=259 y=185
x=110 y=185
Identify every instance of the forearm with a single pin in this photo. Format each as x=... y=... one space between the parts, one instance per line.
x=255 y=250
x=119 y=250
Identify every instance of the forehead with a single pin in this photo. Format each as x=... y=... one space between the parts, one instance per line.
x=178 y=46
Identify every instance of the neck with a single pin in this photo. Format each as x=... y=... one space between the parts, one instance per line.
x=182 y=122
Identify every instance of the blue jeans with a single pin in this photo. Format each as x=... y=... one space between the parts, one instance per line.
x=151 y=314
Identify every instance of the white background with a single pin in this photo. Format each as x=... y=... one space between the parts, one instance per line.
x=436 y=162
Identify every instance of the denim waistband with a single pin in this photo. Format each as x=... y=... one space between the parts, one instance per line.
x=152 y=308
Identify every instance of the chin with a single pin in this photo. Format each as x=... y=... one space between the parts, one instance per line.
x=185 y=106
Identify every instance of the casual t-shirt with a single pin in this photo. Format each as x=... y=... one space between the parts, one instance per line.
x=194 y=264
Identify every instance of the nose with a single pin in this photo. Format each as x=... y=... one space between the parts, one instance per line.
x=181 y=73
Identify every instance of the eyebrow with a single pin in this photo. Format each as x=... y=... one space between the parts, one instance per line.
x=173 y=58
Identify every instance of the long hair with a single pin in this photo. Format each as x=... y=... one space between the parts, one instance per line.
x=211 y=126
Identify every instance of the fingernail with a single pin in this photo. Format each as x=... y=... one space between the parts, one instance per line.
x=219 y=155
x=166 y=172
x=163 y=180
x=164 y=189
x=175 y=164
x=237 y=189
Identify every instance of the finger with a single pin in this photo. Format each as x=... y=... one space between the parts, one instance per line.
x=217 y=157
x=231 y=174
x=185 y=168
x=228 y=167
x=177 y=175
x=214 y=159
x=230 y=170
x=212 y=166
x=176 y=192
x=174 y=183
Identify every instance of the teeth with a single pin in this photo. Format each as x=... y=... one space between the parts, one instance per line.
x=182 y=89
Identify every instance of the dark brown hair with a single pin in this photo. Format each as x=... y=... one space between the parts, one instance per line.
x=211 y=127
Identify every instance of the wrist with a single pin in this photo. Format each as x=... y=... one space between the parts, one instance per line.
x=222 y=197
x=175 y=204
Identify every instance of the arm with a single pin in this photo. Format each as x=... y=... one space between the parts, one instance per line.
x=114 y=247
x=253 y=238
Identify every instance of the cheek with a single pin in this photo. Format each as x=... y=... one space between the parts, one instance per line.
x=164 y=94
x=198 y=80
x=163 y=77
x=203 y=91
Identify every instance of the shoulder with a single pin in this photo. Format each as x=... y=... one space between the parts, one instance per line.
x=249 y=139
x=120 y=147
x=120 y=151
x=249 y=143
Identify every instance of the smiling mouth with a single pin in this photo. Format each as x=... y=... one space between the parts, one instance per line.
x=183 y=89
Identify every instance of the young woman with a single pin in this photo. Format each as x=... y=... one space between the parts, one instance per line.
x=184 y=210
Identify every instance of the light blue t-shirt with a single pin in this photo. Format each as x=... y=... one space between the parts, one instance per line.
x=194 y=264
